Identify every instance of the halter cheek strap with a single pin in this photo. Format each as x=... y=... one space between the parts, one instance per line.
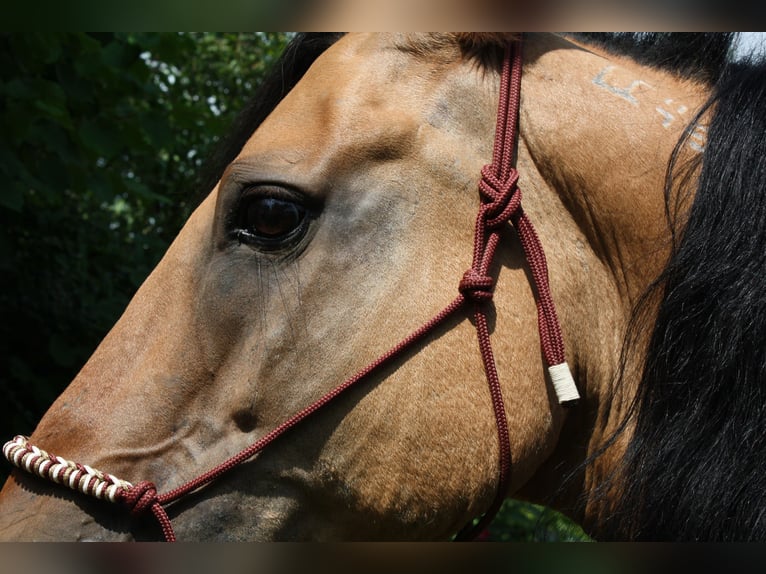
x=500 y=204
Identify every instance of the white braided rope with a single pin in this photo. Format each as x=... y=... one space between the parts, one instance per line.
x=563 y=383
x=78 y=477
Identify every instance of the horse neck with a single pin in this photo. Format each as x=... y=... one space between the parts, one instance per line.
x=600 y=132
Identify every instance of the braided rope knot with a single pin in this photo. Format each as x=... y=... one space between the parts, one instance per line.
x=79 y=477
x=477 y=287
x=502 y=194
x=92 y=482
x=140 y=497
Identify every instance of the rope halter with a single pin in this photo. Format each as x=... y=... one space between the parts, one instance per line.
x=500 y=204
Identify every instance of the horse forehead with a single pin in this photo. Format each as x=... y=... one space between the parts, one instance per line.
x=373 y=60
x=360 y=90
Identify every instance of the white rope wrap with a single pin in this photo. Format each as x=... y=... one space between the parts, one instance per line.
x=563 y=383
x=78 y=477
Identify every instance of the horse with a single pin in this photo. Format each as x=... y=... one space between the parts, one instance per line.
x=345 y=219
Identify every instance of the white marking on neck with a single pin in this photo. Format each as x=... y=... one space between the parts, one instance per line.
x=698 y=138
x=669 y=112
x=624 y=93
x=669 y=118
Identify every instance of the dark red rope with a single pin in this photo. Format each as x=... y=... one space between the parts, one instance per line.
x=500 y=204
x=501 y=199
x=142 y=497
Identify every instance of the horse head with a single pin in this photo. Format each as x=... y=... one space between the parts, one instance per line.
x=344 y=223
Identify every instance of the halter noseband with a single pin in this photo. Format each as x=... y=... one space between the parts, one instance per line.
x=500 y=204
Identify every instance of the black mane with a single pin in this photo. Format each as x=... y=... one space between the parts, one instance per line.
x=693 y=466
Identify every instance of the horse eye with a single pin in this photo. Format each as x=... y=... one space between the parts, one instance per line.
x=269 y=217
x=271 y=222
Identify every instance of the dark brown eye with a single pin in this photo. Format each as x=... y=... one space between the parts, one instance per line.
x=271 y=222
x=269 y=217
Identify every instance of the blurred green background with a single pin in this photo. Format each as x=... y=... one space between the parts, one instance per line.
x=104 y=137
x=104 y=142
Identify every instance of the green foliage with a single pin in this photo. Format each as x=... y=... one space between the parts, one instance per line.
x=104 y=137
x=520 y=521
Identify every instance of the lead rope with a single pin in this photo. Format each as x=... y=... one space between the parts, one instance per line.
x=500 y=204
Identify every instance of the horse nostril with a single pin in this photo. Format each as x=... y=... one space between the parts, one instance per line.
x=245 y=420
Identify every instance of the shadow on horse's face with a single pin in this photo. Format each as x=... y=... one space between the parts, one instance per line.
x=346 y=222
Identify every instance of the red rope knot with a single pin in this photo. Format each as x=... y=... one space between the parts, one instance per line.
x=502 y=194
x=477 y=287
x=140 y=498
